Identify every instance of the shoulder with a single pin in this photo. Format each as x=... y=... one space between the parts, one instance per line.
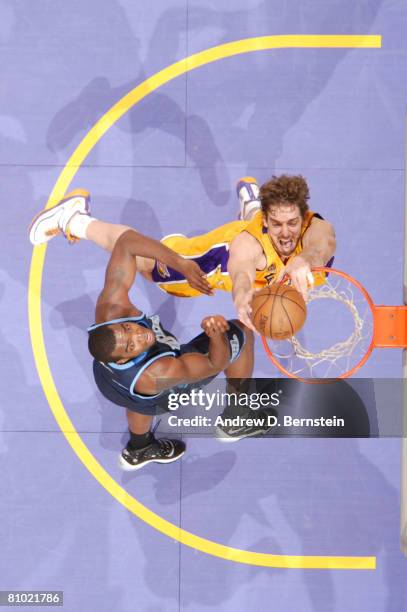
x=246 y=244
x=162 y=366
x=157 y=376
x=319 y=231
x=318 y=224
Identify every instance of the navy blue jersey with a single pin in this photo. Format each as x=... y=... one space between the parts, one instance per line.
x=117 y=381
x=123 y=377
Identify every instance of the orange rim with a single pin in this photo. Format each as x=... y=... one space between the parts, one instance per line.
x=360 y=363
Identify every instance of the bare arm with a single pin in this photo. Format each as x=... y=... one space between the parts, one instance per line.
x=137 y=244
x=244 y=257
x=319 y=243
x=319 y=246
x=114 y=302
x=191 y=367
x=143 y=246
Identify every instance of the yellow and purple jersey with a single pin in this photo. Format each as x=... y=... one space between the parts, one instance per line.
x=211 y=252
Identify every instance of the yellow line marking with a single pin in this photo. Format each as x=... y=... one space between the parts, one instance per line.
x=34 y=301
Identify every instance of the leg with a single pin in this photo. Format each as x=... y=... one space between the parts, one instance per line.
x=239 y=373
x=105 y=235
x=238 y=383
x=144 y=448
x=71 y=217
x=139 y=424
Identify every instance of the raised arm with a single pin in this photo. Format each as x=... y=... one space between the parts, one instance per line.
x=114 y=302
x=319 y=246
x=143 y=246
x=244 y=256
x=121 y=270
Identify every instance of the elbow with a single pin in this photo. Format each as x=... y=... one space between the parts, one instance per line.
x=127 y=242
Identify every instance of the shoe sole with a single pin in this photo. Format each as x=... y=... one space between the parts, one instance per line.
x=247 y=179
x=132 y=468
x=77 y=193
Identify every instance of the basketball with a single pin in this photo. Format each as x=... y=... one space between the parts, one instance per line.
x=278 y=311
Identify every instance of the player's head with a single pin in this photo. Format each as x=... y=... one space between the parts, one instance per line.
x=284 y=203
x=119 y=342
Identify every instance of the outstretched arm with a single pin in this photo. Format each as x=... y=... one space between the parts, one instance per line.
x=106 y=235
x=319 y=246
x=114 y=302
x=143 y=246
x=122 y=268
x=245 y=252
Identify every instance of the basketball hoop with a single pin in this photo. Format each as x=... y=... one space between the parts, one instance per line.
x=343 y=327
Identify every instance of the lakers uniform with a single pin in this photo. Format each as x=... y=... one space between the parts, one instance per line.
x=211 y=252
x=117 y=382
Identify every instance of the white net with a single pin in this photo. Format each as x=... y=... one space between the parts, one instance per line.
x=336 y=335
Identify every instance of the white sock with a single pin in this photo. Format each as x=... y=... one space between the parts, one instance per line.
x=78 y=225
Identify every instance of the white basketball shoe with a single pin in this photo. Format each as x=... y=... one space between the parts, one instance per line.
x=55 y=220
x=248 y=191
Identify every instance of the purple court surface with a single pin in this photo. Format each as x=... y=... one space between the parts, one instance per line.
x=199 y=534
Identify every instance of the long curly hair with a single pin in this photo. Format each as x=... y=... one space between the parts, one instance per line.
x=285 y=189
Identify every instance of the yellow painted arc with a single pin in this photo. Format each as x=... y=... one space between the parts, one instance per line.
x=34 y=304
x=104 y=478
x=247 y=45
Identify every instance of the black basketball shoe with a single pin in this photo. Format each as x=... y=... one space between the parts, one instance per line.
x=159 y=451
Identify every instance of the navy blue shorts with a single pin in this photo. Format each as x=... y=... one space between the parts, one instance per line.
x=199 y=344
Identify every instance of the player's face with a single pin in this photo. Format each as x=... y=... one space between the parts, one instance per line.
x=283 y=223
x=131 y=340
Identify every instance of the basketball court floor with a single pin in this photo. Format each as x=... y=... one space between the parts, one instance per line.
x=285 y=523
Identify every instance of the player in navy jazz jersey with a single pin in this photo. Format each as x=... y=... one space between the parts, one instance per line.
x=137 y=362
